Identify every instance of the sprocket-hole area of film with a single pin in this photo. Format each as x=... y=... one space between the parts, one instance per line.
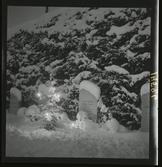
x=153 y=85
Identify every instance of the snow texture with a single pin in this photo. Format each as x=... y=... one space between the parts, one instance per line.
x=87 y=124
x=78 y=37
x=103 y=109
x=119 y=30
x=16 y=92
x=28 y=69
x=145 y=89
x=32 y=110
x=21 y=111
x=117 y=69
x=61 y=115
x=56 y=62
x=83 y=74
x=91 y=87
x=81 y=115
x=44 y=89
x=113 y=125
x=138 y=77
x=122 y=128
x=27 y=139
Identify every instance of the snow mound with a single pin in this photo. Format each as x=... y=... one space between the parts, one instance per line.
x=81 y=115
x=30 y=112
x=145 y=89
x=33 y=110
x=88 y=124
x=16 y=92
x=117 y=69
x=91 y=87
x=122 y=128
x=21 y=111
x=113 y=125
x=36 y=108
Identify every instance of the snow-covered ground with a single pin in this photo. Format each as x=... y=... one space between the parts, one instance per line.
x=28 y=139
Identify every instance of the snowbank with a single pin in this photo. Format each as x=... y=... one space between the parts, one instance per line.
x=91 y=87
x=22 y=135
x=87 y=124
x=16 y=92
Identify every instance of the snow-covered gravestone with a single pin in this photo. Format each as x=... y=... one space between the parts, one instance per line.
x=89 y=94
x=15 y=100
x=145 y=105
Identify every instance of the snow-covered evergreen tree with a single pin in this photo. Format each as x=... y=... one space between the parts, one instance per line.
x=108 y=46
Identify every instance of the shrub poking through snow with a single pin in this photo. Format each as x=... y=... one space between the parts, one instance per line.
x=33 y=113
x=50 y=121
x=33 y=118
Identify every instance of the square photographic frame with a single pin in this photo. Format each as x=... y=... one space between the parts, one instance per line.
x=154 y=68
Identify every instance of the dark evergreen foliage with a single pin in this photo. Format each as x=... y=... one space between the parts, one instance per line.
x=68 y=54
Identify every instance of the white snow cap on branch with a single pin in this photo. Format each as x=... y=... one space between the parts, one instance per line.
x=44 y=89
x=16 y=92
x=116 y=69
x=91 y=87
x=145 y=89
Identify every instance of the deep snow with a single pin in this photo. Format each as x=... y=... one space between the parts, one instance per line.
x=28 y=139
